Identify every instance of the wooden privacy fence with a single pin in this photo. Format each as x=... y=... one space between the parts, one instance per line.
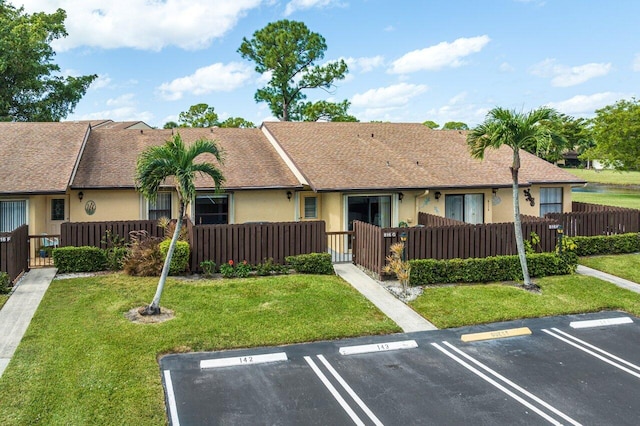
x=256 y=242
x=589 y=220
x=80 y=234
x=372 y=244
x=14 y=251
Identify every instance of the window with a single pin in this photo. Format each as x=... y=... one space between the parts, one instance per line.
x=311 y=207
x=550 y=200
x=161 y=207
x=211 y=209
x=465 y=208
x=57 y=209
x=369 y=209
x=12 y=214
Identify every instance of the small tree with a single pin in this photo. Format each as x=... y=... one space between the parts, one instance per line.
x=397 y=265
x=515 y=130
x=174 y=159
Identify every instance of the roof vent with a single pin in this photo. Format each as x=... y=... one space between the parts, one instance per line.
x=140 y=131
x=371 y=134
x=388 y=164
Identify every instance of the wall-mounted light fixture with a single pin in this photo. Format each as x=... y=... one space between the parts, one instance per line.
x=494 y=191
x=80 y=195
x=289 y=195
x=400 y=196
x=438 y=194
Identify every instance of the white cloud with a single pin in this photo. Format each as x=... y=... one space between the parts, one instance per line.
x=566 y=76
x=439 y=56
x=295 y=5
x=587 y=104
x=363 y=64
x=506 y=67
x=458 y=109
x=393 y=96
x=101 y=82
x=636 y=62
x=213 y=78
x=121 y=108
x=144 y=24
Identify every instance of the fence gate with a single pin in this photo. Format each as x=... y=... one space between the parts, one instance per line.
x=340 y=245
x=41 y=249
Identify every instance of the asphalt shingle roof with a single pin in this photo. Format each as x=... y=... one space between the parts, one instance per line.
x=361 y=156
x=250 y=161
x=39 y=157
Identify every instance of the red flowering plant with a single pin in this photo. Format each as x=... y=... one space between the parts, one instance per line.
x=231 y=270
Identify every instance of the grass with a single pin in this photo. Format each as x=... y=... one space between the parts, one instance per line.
x=3 y=299
x=631 y=201
x=621 y=265
x=611 y=177
x=82 y=362
x=461 y=305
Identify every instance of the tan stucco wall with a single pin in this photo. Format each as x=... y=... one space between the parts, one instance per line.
x=122 y=204
x=332 y=211
x=263 y=206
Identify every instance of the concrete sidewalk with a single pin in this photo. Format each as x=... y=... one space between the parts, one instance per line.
x=403 y=315
x=620 y=282
x=16 y=314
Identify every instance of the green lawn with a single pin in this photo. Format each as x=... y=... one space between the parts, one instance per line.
x=478 y=304
x=82 y=362
x=622 y=265
x=3 y=299
x=631 y=201
x=611 y=177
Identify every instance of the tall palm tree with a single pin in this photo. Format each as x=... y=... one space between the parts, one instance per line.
x=516 y=130
x=174 y=159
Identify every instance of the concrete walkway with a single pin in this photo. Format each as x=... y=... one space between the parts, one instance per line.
x=16 y=314
x=620 y=282
x=403 y=315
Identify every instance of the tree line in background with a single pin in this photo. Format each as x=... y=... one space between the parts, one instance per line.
x=32 y=89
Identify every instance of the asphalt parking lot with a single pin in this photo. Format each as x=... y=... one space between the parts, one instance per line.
x=577 y=369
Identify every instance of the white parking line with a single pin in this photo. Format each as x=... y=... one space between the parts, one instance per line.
x=350 y=391
x=499 y=386
x=630 y=364
x=512 y=384
x=590 y=352
x=173 y=409
x=334 y=392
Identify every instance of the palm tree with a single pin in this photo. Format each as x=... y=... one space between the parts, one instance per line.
x=174 y=159
x=516 y=130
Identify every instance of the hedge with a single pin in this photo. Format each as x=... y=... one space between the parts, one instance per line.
x=312 y=263
x=497 y=268
x=607 y=244
x=180 y=258
x=79 y=259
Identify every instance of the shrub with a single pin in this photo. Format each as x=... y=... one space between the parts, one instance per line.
x=180 y=259
x=269 y=268
x=115 y=251
x=79 y=259
x=144 y=258
x=232 y=270
x=607 y=244
x=4 y=283
x=497 y=268
x=208 y=268
x=313 y=263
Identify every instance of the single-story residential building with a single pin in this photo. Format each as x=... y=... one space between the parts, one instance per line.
x=381 y=173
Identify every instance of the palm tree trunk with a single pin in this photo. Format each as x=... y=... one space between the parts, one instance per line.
x=517 y=223
x=154 y=307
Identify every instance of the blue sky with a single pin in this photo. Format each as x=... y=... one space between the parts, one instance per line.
x=409 y=60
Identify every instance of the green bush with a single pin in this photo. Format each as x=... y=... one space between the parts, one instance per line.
x=607 y=244
x=208 y=268
x=312 y=263
x=180 y=259
x=79 y=259
x=4 y=283
x=498 y=268
x=114 y=258
x=269 y=268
